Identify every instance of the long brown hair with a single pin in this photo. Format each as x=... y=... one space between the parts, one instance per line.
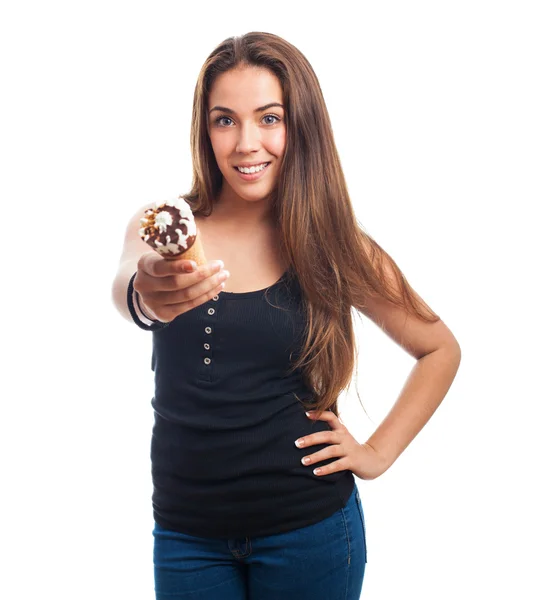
x=336 y=263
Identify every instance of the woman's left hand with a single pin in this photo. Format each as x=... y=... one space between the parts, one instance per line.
x=363 y=460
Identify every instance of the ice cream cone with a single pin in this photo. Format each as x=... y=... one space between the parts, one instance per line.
x=170 y=228
x=195 y=252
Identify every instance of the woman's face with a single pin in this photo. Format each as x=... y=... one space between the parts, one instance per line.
x=247 y=127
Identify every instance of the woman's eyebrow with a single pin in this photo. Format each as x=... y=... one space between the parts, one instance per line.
x=233 y=112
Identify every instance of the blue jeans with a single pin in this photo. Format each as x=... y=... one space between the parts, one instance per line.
x=324 y=561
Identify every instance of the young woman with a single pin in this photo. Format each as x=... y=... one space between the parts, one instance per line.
x=242 y=350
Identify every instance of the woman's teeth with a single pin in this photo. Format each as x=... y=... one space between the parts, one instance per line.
x=252 y=169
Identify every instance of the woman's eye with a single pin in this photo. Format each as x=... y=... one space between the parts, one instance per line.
x=218 y=121
x=272 y=117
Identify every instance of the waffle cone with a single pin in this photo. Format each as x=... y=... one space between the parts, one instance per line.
x=195 y=252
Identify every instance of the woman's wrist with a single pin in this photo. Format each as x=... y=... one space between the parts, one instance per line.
x=140 y=318
x=142 y=306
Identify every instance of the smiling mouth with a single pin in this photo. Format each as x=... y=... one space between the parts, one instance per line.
x=254 y=171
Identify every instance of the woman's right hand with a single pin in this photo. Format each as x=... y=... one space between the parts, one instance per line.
x=169 y=288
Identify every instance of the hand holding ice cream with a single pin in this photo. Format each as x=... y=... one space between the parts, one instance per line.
x=165 y=281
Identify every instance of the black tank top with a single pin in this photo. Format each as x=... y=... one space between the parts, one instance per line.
x=226 y=417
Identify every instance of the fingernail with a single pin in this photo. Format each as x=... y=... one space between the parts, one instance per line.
x=191 y=267
x=219 y=263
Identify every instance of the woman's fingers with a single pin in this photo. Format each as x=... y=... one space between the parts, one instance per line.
x=160 y=275
x=191 y=293
x=154 y=265
x=168 y=290
x=174 y=310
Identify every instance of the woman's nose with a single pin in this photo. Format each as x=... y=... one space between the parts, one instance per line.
x=249 y=139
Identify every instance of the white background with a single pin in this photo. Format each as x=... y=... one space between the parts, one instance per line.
x=439 y=113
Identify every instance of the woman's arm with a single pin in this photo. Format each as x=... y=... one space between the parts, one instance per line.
x=424 y=389
x=438 y=357
x=133 y=249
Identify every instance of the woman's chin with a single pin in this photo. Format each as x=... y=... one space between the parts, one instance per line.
x=259 y=192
